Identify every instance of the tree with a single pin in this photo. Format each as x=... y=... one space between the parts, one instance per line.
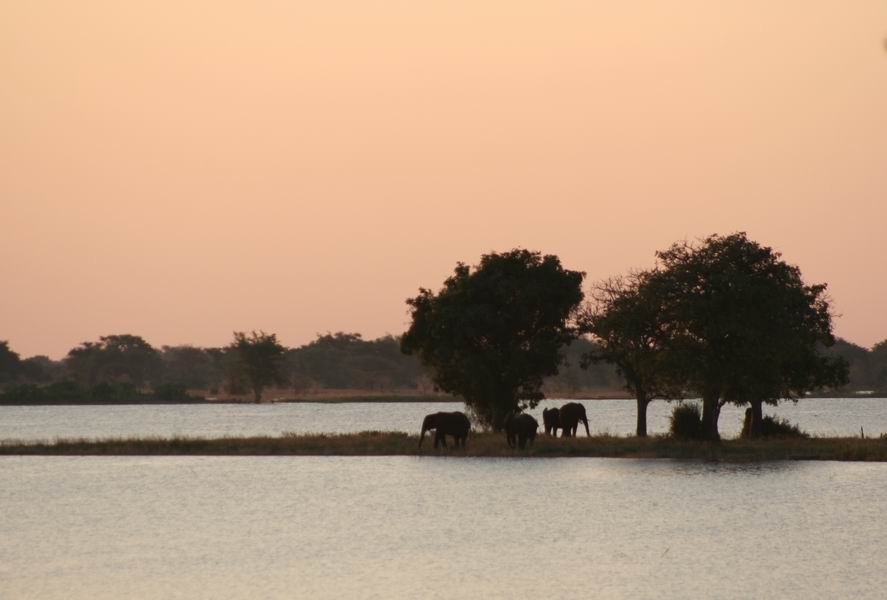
x=10 y=363
x=744 y=327
x=189 y=366
x=626 y=319
x=260 y=357
x=493 y=333
x=114 y=359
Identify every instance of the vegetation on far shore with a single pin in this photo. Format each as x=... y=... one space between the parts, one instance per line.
x=375 y=443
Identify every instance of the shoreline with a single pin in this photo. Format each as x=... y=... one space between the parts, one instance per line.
x=365 y=398
x=374 y=443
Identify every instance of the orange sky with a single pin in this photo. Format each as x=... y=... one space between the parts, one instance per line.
x=180 y=170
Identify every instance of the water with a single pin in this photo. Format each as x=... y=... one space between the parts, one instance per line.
x=829 y=417
x=405 y=527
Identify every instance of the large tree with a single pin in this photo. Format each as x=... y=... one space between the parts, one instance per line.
x=744 y=326
x=626 y=318
x=492 y=333
x=10 y=363
x=114 y=358
x=260 y=357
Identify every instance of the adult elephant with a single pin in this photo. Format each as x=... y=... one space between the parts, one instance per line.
x=551 y=419
x=455 y=424
x=520 y=429
x=570 y=415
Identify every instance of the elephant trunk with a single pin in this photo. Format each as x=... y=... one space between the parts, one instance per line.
x=422 y=436
x=587 y=432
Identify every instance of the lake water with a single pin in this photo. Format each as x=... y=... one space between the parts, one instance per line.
x=823 y=416
x=404 y=527
x=408 y=527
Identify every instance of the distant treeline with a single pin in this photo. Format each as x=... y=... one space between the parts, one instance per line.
x=125 y=367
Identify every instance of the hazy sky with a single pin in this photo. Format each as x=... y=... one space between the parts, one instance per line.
x=180 y=170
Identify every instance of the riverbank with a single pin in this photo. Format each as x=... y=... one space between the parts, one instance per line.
x=479 y=445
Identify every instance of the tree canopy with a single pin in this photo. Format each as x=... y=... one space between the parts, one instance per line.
x=10 y=363
x=114 y=358
x=626 y=318
x=743 y=325
x=492 y=333
x=260 y=358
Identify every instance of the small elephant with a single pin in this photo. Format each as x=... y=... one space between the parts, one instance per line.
x=455 y=424
x=520 y=428
x=551 y=418
x=570 y=415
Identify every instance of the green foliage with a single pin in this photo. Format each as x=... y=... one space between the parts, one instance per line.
x=771 y=427
x=260 y=357
x=493 y=333
x=686 y=422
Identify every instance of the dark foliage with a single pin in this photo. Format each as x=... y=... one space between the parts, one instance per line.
x=260 y=359
x=114 y=359
x=771 y=427
x=743 y=326
x=686 y=422
x=10 y=364
x=492 y=334
x=630 y=324
x=347 y=361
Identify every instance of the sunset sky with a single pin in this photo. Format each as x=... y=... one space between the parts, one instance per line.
x=181 y=170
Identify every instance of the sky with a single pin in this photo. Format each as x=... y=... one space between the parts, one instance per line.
x=182 y=170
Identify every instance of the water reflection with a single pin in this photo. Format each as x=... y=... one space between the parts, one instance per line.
x=404 y=527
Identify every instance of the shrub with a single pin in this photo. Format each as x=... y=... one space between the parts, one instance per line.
x=686 y=422
x=172 y=392
x=772 y=427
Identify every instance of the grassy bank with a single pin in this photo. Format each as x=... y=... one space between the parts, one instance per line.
x=479 y=445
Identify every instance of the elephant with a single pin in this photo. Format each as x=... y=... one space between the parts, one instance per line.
x=520 y=428
x=570 y=415
x=455 y=424
x=551 y=417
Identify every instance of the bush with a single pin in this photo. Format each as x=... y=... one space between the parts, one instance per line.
x=686 y=422
x=772 y=427
x=171 y=392
x=114 y=393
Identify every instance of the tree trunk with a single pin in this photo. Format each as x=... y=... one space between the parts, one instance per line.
x=711 y=410
x=756 y=426
x=641 y=430
x=257 y=391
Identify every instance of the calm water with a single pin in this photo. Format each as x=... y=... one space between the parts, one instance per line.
x=406 y=527
x=818 y=416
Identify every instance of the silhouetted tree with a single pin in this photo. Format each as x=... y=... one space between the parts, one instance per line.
x=260 y=357
x=627 y=320
x=493 y=333
x=10 y=363
x=114 y=358
x=189 y=367
x=41 y=369
x=744 y=328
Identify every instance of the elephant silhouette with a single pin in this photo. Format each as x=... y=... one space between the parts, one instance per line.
x=519 y=429
x=455 y=424
x=571 y=414
x=551 y=419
